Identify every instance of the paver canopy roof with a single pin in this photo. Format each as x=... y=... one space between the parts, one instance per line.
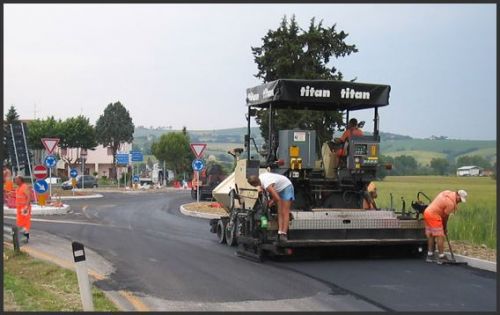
x=318 y=95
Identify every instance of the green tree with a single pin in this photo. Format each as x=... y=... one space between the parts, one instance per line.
x=114 y=128
x=174 y=149
x=43 y=128
x=405 y=165
x=476 y=160
x=11 y=117
x=440 y=166
x=293 y=53
x=77 y=132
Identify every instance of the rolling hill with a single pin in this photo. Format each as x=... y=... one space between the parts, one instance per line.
x=424 y=150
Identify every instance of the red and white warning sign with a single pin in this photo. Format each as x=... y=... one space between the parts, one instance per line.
x=40 y=172
x=50 y=144
x=198 y=149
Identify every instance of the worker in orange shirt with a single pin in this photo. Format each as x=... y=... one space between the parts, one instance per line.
x=23 y=206
x=436 y=220
x=352 y=130
x=369 y=197
x=340 y=144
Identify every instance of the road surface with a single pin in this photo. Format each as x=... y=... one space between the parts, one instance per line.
x=174 y=263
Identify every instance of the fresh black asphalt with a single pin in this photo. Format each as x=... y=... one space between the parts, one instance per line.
x=160 y=252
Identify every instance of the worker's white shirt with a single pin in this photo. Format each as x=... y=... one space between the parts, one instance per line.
x=280 y=182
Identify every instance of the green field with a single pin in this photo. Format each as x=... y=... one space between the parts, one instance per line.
x=475 y=220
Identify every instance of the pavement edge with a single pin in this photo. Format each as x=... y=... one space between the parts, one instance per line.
x=198 y=214
x=123 y=300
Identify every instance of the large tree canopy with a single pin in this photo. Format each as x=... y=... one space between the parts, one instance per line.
x=74 y=132
x=43 y=128
x=290 y=52
x=114 y=127
x=173 y=148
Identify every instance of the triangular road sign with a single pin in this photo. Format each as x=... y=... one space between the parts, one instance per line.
x=50 y=144
x=198 y=149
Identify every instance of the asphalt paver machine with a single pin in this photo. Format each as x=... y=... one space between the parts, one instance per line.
x=328 y=210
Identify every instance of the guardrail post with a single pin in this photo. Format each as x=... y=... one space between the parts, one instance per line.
x=15 y=239
x=83 y=276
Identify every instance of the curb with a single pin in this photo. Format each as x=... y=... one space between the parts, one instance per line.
x=80 y=197
x=198 y=214
x=37 y=210
x=475 y=262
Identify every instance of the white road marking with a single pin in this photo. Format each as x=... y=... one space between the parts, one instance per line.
x=59 y=221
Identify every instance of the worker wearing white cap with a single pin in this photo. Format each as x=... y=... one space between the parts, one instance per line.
x=436 y=220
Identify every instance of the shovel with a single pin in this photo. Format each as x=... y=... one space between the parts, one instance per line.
x=453 y=261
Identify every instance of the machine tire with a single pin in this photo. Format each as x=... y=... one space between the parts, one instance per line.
x=230 y=234
x=220 y=231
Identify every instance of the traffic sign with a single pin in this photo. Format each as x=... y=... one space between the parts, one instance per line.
x=122 y=159
x=198 y=149
x=136 y=179
x=40 y=172
x=41 y=186
x=50 y=144
x=136 y=156
x=50 y=161
x=198 y=165
x=73 y=173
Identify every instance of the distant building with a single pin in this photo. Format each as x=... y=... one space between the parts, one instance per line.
x=99 y=160
x=470 y=171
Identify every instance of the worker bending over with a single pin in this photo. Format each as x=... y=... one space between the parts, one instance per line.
x=436 y=220
x=281 y=190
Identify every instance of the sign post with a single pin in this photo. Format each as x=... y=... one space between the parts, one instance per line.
x=122 y=159
x=73 y=173
x=136 y=156
x=50 y=162
x=198 y=165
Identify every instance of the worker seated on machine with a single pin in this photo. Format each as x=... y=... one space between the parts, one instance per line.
x=340 y=144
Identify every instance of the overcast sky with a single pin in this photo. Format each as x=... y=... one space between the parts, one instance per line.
x=190 y=64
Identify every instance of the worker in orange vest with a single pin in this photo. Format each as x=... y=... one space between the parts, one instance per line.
x=23 y=206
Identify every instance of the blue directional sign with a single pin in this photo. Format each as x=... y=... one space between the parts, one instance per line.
x=50 y=161
x=73 y=173
x=137 y=156
x=198 y=165
x=122 y=159
x=41 y=186
x=135 y=179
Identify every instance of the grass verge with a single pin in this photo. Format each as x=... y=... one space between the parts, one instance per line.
x=475 y=221
x=34 y=285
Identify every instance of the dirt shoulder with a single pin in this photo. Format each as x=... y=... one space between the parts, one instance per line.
x=205 y=207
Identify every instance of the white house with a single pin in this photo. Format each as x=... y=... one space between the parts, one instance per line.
x=470 y=171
